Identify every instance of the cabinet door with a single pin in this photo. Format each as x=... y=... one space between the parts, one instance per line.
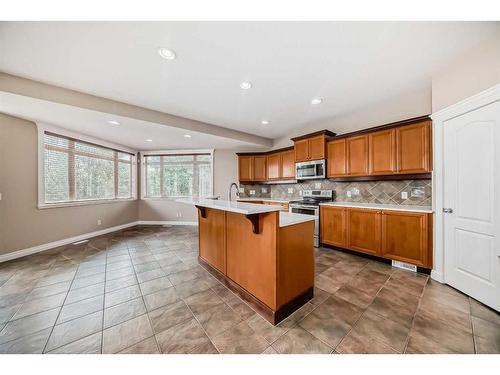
x=273 y=166
x=317 y=147
x=259 y=168
x=333 y=226
x=301 y=150
x=336 y=161
x=288 y=164
x=245 y=168
x=363 y=228
x=357 y=156
x=413 y=148
x=405 y=237
x=382 y=152
x=213 y=238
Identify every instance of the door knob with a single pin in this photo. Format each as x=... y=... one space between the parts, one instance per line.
x=448 y=210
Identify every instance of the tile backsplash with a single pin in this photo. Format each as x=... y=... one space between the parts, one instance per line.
x=404 y=192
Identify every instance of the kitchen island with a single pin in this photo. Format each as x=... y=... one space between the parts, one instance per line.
x=264 y=255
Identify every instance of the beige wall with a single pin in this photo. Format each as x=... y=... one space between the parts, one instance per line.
x=22 y=224
x=474 y=72
x=225 y=172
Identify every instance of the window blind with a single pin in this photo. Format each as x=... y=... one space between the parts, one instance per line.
x=184 y=175
x=75 y=170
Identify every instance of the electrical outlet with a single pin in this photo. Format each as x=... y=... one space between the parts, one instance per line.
x=317 y=185
x=264 y=190
x=290 y=191
x=99 y=222
x=252 y=192
x=241 y=190
x=404 y=195
x=348 y=193
x=355 y=192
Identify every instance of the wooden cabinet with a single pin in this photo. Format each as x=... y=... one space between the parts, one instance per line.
x=311 y=148
x=274 y=166
x=357 y=155
x=363 y=228
x=382 y=152
x=413 y=148
x=333 y=229
x=245 y=168
x=406 y=237
x=398 y=235
x=259 y=168
x=337 y=158
x=212 y=236
x=301 y=150
x=288 y=164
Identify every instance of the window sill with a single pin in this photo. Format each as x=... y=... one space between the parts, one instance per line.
x=83 y=203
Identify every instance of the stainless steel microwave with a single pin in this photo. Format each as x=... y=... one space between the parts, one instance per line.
x=309 y=170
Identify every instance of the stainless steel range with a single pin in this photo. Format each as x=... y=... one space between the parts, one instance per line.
x=309 y=205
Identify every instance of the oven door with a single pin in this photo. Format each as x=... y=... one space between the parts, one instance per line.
x=310 y=170
x=308 y=210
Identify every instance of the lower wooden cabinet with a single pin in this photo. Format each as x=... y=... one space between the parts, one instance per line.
x=333 y=226
x=213 y=238
x=406 y=237
x=363 y=230
x=398 y=235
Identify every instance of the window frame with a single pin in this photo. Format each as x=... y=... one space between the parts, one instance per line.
x=42 y=128
x=142 y=155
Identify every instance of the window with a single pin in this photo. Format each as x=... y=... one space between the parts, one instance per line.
x=174 y=176
x=78 y=171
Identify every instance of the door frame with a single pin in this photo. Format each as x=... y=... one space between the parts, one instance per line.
x=439 y=120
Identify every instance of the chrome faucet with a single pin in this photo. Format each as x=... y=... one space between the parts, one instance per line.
x=231 y=189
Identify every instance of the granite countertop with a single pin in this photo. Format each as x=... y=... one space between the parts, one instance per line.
x=377 y=206
x=280 y=200
x=286 y=218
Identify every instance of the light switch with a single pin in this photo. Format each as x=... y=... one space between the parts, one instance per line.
x=348 y=194
x=317 y=185
x=404 y=195
x=264 y=190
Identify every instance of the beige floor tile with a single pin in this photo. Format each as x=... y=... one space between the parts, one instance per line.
x=354 y=343
x=30 y=344
x=28 y=325
x=39 y=305
x=148 y=346
x=484 y=312
x=169 y=315
x=81 y=308
x=240 y=339
x=218 y=319
x=126 y=334
x=203 y=301
x=121 y=295
x=155 y=285
x=84 y=293
x=299 y=341
x=182 y=338
x=88 y=345
x=124 y=311
x=162 y=298
x=189 y=288
x=355 y=296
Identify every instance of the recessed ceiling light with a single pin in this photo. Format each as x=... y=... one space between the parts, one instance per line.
x=264 y=122
x=149 y=140
x=166 y=53
x=187 y=136
x=113 y=122
x=246 y=85
x=316 y=101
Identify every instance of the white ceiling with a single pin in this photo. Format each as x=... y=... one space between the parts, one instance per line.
x=351 y=65
x=130 y=132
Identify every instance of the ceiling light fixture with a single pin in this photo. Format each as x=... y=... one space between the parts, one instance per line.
x=113 y=122
x=265 y=122
x=316 y=101
x=166 y=53
x=149 y=140
x=246 y=85
x=187 y=135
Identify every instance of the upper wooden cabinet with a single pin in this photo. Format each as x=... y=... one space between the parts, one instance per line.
x=274 y=166
x=311 y=146
x=406 y=237
x=337 y=158
x=413 y=148
x=363 y=228
x=357 y=155
x=245 y=168
x=394 y=150
x=333 y=226
x=382 y=152
x=287 y=165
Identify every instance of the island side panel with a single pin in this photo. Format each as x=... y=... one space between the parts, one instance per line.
x=251 y=258
x=212 y=238
x=295 y=261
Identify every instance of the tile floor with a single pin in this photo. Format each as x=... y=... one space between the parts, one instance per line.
x=142 y=291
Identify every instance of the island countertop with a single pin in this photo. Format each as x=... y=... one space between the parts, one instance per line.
x=286 y=218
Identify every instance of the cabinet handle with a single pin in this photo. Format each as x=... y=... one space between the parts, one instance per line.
x=448 y=210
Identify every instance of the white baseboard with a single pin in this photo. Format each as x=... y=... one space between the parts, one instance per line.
x=438 y=276
x=67 y=241
x=148 y=222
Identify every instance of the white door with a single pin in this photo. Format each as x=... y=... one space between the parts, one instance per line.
x=472 y=192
